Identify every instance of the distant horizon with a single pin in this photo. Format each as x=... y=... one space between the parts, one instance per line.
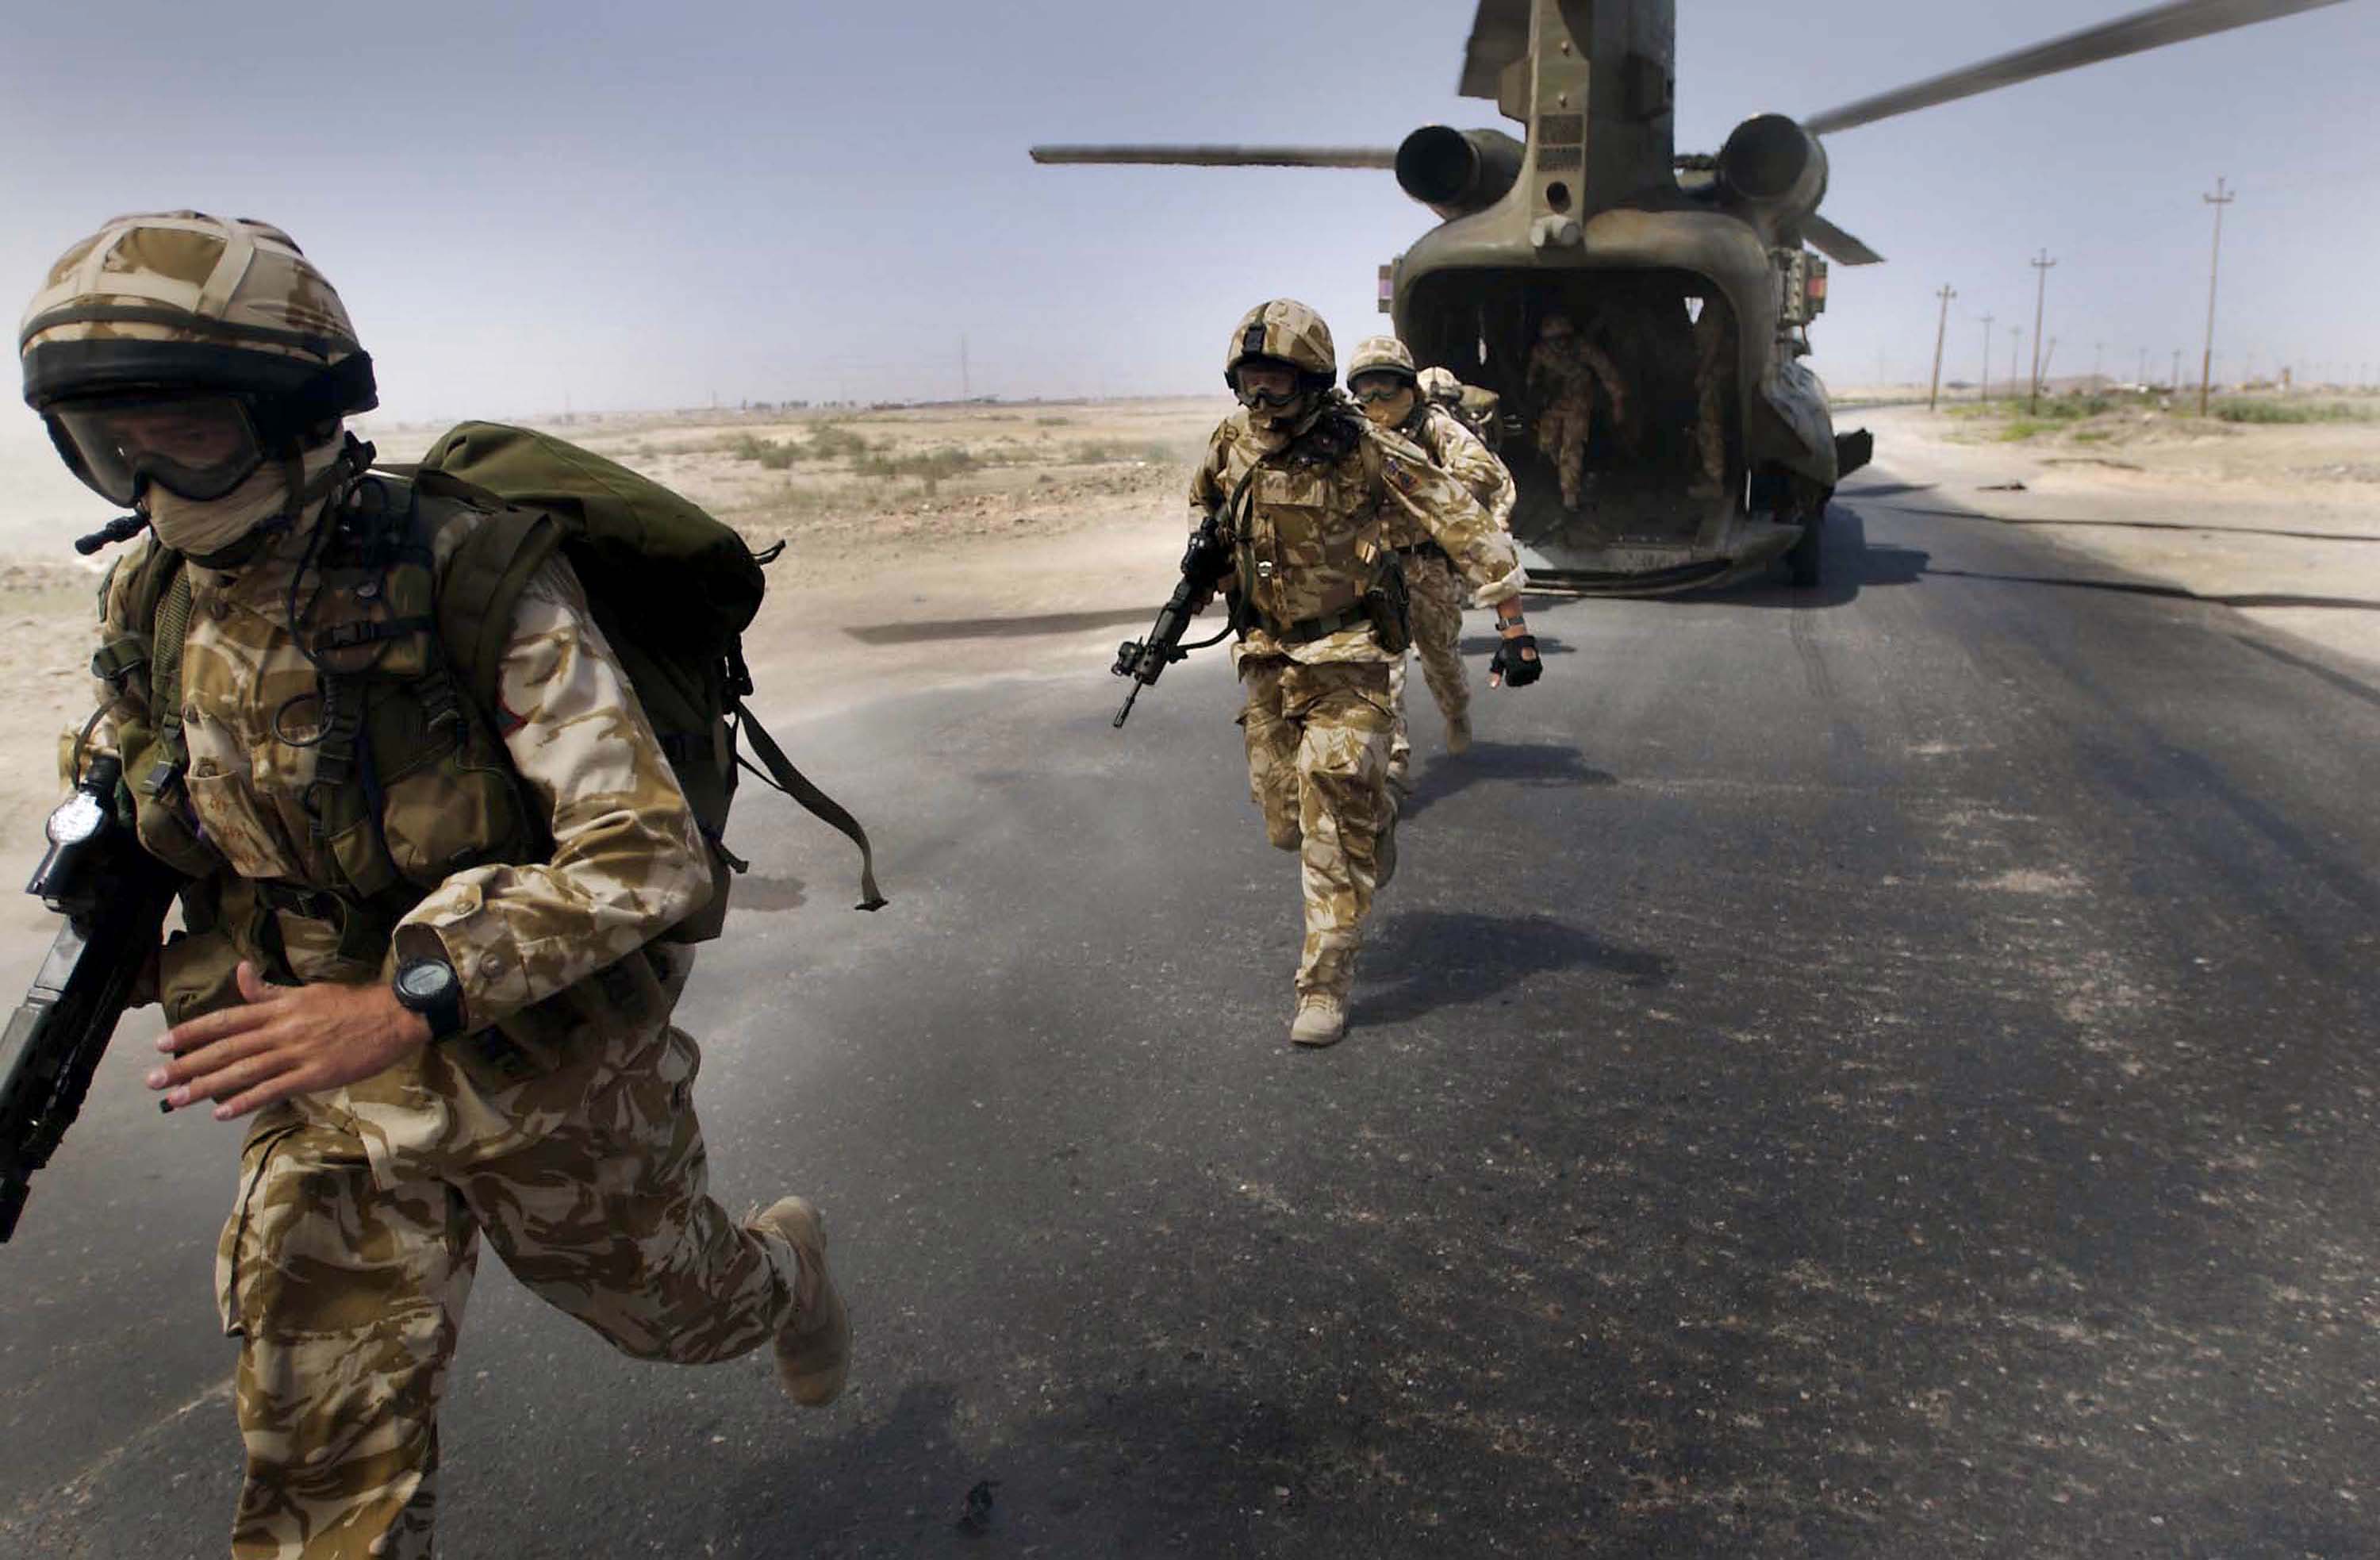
x=624 y=206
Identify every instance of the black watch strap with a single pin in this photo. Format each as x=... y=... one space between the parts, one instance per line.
x=430 y=987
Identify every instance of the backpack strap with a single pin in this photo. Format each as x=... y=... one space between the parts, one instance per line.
x=780 y=775
x=483 y=582
x=171 y=628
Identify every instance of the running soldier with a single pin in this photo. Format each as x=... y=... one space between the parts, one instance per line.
x=1305 y=487
x=1565 y=372
x=481 y=1043
x=1384 y=381
x=1480 y=408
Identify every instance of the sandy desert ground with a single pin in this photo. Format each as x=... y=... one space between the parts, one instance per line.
x=936 y=545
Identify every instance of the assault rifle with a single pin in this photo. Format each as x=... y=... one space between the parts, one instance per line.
x=1203 y=566
x=115 y=896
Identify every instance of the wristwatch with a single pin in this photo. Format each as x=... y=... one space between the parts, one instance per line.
x=428 y=986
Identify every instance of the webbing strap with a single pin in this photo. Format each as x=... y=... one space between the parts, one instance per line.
x=172 y=626
x=780 y=773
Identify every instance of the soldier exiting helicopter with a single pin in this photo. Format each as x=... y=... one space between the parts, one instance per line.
x=1305 y=489
x=1384 y=381
x=1479 y=409
x=1566 y=370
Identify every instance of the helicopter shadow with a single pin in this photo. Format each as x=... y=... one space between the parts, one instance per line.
x=1440 y=959
x=1849 y=563
x=1537 y=765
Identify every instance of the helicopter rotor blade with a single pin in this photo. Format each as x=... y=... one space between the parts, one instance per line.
x=2154 y=29
x=1836 y=244
x=1223 y=156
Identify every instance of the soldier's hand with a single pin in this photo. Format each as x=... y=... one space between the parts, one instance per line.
x=283 y=1040
x=1516 y=662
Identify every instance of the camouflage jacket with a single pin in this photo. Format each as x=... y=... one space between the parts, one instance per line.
x=1314 y=523
x=625 y=860
x=1459 y=453
x=1571 y=370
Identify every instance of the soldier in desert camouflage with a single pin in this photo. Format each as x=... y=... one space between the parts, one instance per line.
x=483 y=1045
x=1306 y=488
x=1384 y=381
x=1566 y=370
x=1480 y=408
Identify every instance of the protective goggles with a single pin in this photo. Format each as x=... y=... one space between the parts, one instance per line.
x=1252 y=394
x=200 y=446
x=1377 y=387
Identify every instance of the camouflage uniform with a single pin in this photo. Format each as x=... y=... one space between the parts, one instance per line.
x=564 y=1130
x=1564 y=374
x=560 y=1121
x=1714 y=376
x=1317 y=717
x=1436 y=592
x=1476 y=405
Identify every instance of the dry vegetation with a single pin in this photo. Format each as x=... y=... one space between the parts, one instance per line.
x=2333 y=436
x=855 y=493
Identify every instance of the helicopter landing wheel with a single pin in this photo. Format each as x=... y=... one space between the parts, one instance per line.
x=1803 y=559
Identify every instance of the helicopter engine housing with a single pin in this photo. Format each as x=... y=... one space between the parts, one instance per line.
x=1456 y=172
x=1774 y=169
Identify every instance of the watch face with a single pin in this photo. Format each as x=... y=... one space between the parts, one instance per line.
x=426 y=982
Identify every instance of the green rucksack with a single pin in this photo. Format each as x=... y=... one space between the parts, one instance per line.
x=672 y=590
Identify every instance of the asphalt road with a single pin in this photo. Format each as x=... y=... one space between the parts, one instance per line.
x=1881 y=1072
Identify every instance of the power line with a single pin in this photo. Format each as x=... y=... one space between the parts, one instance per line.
x=2220 y=200
x=1941 y=332
x=2041 y=267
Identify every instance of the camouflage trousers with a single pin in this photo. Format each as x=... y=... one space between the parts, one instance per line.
x=1317 y=768
x=1438 y=600
x=1563 y=429
x=344 y=1267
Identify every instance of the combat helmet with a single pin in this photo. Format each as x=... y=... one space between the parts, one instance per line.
x=1288 y=330
x=1440 y=386
x=186 y=307
x=1381 y=354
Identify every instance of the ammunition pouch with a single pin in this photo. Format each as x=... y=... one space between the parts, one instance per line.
x=1389 y=604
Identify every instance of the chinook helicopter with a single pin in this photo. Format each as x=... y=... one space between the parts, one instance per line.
x=1694 y=273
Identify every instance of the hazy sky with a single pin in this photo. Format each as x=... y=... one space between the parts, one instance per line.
x=636 y=206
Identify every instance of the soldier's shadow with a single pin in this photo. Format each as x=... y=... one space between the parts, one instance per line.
x=1543 y=765
x=1440 y=958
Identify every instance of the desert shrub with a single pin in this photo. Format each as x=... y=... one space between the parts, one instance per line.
x=832 y=441
x=928 y=467
x=2292 y=412
x=773 y=454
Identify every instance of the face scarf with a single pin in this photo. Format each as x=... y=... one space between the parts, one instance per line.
x=1276 y=432
x=1391 y=413
x=207 y=530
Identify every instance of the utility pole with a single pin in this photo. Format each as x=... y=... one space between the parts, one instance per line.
x=2174 y=384
x=1941 y=333
x=2098 y=357
x=2041 y=267
x=966 y=391
x=1984 y=394
x=2220 y=199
